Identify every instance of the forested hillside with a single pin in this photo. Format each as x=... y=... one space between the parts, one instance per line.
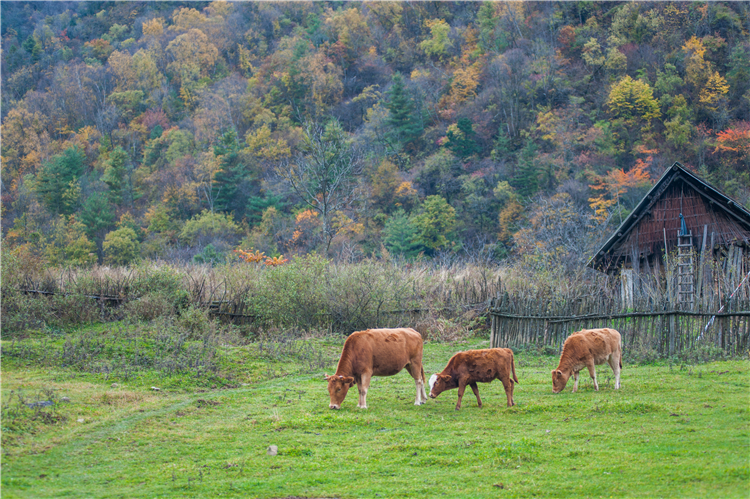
x=181 y=131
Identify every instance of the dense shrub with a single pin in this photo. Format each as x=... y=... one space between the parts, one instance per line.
x=291 y=295
x=370 y=294
x=121 y=247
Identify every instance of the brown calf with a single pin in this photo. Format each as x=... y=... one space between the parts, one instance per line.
x=587 y=348
x=376 y=352
x=472 y=366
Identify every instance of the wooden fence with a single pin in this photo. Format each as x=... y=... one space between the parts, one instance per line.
x=653 y=325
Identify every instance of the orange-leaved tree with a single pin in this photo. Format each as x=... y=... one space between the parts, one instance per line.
x=734 y=144
x=276 y=261
x=251 y=256
x=616 y=183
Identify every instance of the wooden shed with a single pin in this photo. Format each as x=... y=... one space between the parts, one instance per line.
x=683 y=219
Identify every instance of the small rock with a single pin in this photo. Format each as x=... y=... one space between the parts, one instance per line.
x=115 y=385
x=80 y=420
x=272 y=450
x=547 y=431
x=65 y=399
x=155 y=389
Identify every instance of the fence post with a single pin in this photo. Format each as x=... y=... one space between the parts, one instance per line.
x=672 y=329
x=626 y=282
x=493 y=324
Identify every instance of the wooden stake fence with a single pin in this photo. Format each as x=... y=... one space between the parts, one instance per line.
x=667 y=332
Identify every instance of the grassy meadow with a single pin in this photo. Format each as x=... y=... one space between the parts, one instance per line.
x=673 y=430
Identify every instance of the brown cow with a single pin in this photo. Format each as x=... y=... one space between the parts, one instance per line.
x=587 y=348
x=377 y=352
x=466 y=368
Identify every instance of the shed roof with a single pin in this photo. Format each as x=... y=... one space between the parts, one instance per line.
x=657 y=214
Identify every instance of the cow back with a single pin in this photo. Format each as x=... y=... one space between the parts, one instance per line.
x=384 y=352
x=596 y=343
x=481 y=365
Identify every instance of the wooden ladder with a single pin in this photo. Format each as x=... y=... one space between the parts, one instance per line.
x=685 y=271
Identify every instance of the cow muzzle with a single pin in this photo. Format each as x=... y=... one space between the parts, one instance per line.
x=334 y=406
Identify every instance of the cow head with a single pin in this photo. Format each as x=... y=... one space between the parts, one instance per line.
x=558 y=381
x=337 y=388
x=439 y=383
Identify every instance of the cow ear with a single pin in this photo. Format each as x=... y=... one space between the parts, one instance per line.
x=327 y=377
x=349 y=381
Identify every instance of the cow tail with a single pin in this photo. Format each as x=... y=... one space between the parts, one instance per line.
x=424 y=380
x=513 y=366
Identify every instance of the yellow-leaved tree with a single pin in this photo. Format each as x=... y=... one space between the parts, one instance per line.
x=633 y=107
x=193 y=56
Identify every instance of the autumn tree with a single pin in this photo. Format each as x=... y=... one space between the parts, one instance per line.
x=614 y=185
x=384 y=180
x=192 y=57
x=322 y=174
x=734 y=144
x=439 y=42
x=68 y=244
x=556 y=234
x=633 y=107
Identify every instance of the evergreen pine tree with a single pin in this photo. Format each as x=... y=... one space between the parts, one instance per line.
x=114 y=174
x=58 y=180
x=229 y=188
x=401 y=236
x=405 y=125
x=462 y=139
x=525 y=180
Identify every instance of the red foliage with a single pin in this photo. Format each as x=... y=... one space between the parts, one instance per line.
x=735 y=139
x=153 y=117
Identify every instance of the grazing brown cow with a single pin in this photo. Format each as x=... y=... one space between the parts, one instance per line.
x=377 y=352
x=466 y=368
x=587 y=348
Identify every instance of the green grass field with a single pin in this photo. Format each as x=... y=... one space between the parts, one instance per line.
x=671 y=431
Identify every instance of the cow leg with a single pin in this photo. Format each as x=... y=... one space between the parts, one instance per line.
x=416 y=373
x=362 y=386
x=575 y=384
x=508 y=385
x=461 y=389
x=615 y=365
x=592 y=373
x=475 y=389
